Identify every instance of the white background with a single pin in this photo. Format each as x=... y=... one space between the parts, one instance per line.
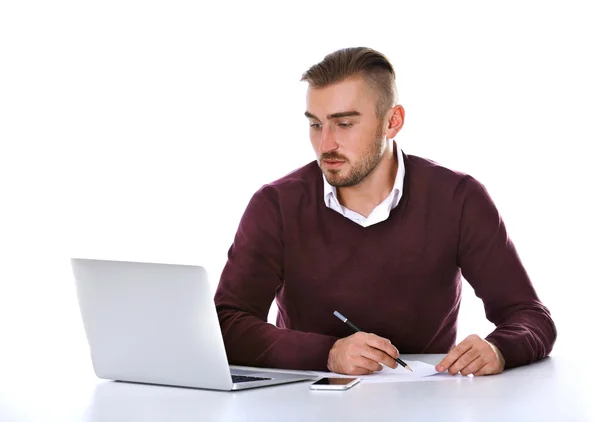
x=139 y=131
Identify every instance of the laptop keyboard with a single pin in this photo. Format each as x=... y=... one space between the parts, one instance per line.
x=243 y=378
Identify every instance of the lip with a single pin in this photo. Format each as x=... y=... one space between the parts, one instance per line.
x=333 y=163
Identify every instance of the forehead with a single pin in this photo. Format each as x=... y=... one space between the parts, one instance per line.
x=349 y=94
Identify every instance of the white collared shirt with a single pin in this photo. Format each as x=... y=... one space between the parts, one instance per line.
x=381 y=211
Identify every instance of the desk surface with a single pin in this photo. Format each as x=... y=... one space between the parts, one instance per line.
x=555 y=389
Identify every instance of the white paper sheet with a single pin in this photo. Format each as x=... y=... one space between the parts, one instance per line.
x=421 y=372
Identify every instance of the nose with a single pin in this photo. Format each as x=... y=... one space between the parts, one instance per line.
x=328 y=141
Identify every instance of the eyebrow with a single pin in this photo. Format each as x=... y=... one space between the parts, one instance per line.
x=334 y=115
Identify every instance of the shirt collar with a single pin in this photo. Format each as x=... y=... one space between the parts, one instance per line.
x=330 y=192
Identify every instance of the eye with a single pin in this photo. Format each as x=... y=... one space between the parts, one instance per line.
x=315 y=125
x=345 y=125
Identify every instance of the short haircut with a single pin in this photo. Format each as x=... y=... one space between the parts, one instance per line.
x=365 y=62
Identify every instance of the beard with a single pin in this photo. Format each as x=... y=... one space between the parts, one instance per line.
x=358 y=170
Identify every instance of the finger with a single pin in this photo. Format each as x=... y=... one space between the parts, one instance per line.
x=382 y=344
x=355 y=370
x=379 y=356
x=493 y=366
x=354 y=366
x=474 y=366
x=363 y=363
x=451 y=358
x=465 y=360
x=487 y=369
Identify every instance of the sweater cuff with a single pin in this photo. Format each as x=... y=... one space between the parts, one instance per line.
x=308 y=352
x=316 y=358
x=513 y=352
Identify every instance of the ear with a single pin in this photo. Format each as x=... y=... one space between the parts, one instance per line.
x=395 y=121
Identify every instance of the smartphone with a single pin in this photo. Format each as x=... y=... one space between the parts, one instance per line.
x=334 y=383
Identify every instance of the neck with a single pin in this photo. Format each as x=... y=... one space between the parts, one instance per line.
x=373 y=189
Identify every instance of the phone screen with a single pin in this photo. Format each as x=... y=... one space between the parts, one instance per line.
x=334 y=381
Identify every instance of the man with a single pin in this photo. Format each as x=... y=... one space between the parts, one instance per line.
x=378 y=235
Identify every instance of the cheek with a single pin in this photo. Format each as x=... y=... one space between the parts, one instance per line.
x=357 y=141
x=314 y=140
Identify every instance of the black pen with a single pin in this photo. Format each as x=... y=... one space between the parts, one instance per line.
x=358 y=330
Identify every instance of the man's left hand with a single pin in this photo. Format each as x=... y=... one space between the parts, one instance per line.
x=473 y=355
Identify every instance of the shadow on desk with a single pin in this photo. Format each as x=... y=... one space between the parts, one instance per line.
x=120 y=402
x=129 y=402
x=550 y=390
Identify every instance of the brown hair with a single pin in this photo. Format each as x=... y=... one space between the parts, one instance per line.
x=373 y=66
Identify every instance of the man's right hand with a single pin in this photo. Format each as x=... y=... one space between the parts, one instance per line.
x=361 y=354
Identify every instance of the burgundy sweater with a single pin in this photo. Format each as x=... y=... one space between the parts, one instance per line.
x=399 y=279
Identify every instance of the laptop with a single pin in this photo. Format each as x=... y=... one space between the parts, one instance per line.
x=157 y=324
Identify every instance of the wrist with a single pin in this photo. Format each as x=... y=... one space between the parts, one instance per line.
x=498 y=354
x=330 y=357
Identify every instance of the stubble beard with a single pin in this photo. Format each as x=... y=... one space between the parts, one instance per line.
x=359 y=171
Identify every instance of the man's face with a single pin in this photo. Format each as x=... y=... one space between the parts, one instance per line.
x=345 y=132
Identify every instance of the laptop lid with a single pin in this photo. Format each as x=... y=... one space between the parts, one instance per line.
x=154 y=323
x=151 y=323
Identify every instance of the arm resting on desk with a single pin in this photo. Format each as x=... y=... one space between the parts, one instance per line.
x=489 y=261
x=251 y=277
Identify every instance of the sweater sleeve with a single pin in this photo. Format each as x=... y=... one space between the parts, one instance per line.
x=252 y=275
x=489 y=261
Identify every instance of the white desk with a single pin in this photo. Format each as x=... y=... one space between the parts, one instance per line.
x=556 y=389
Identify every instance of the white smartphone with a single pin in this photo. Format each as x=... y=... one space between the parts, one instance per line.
x=334 y=383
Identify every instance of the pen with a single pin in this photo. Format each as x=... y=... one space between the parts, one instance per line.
x=358 y=330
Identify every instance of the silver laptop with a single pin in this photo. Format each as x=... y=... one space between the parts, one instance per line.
x=157 y=324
